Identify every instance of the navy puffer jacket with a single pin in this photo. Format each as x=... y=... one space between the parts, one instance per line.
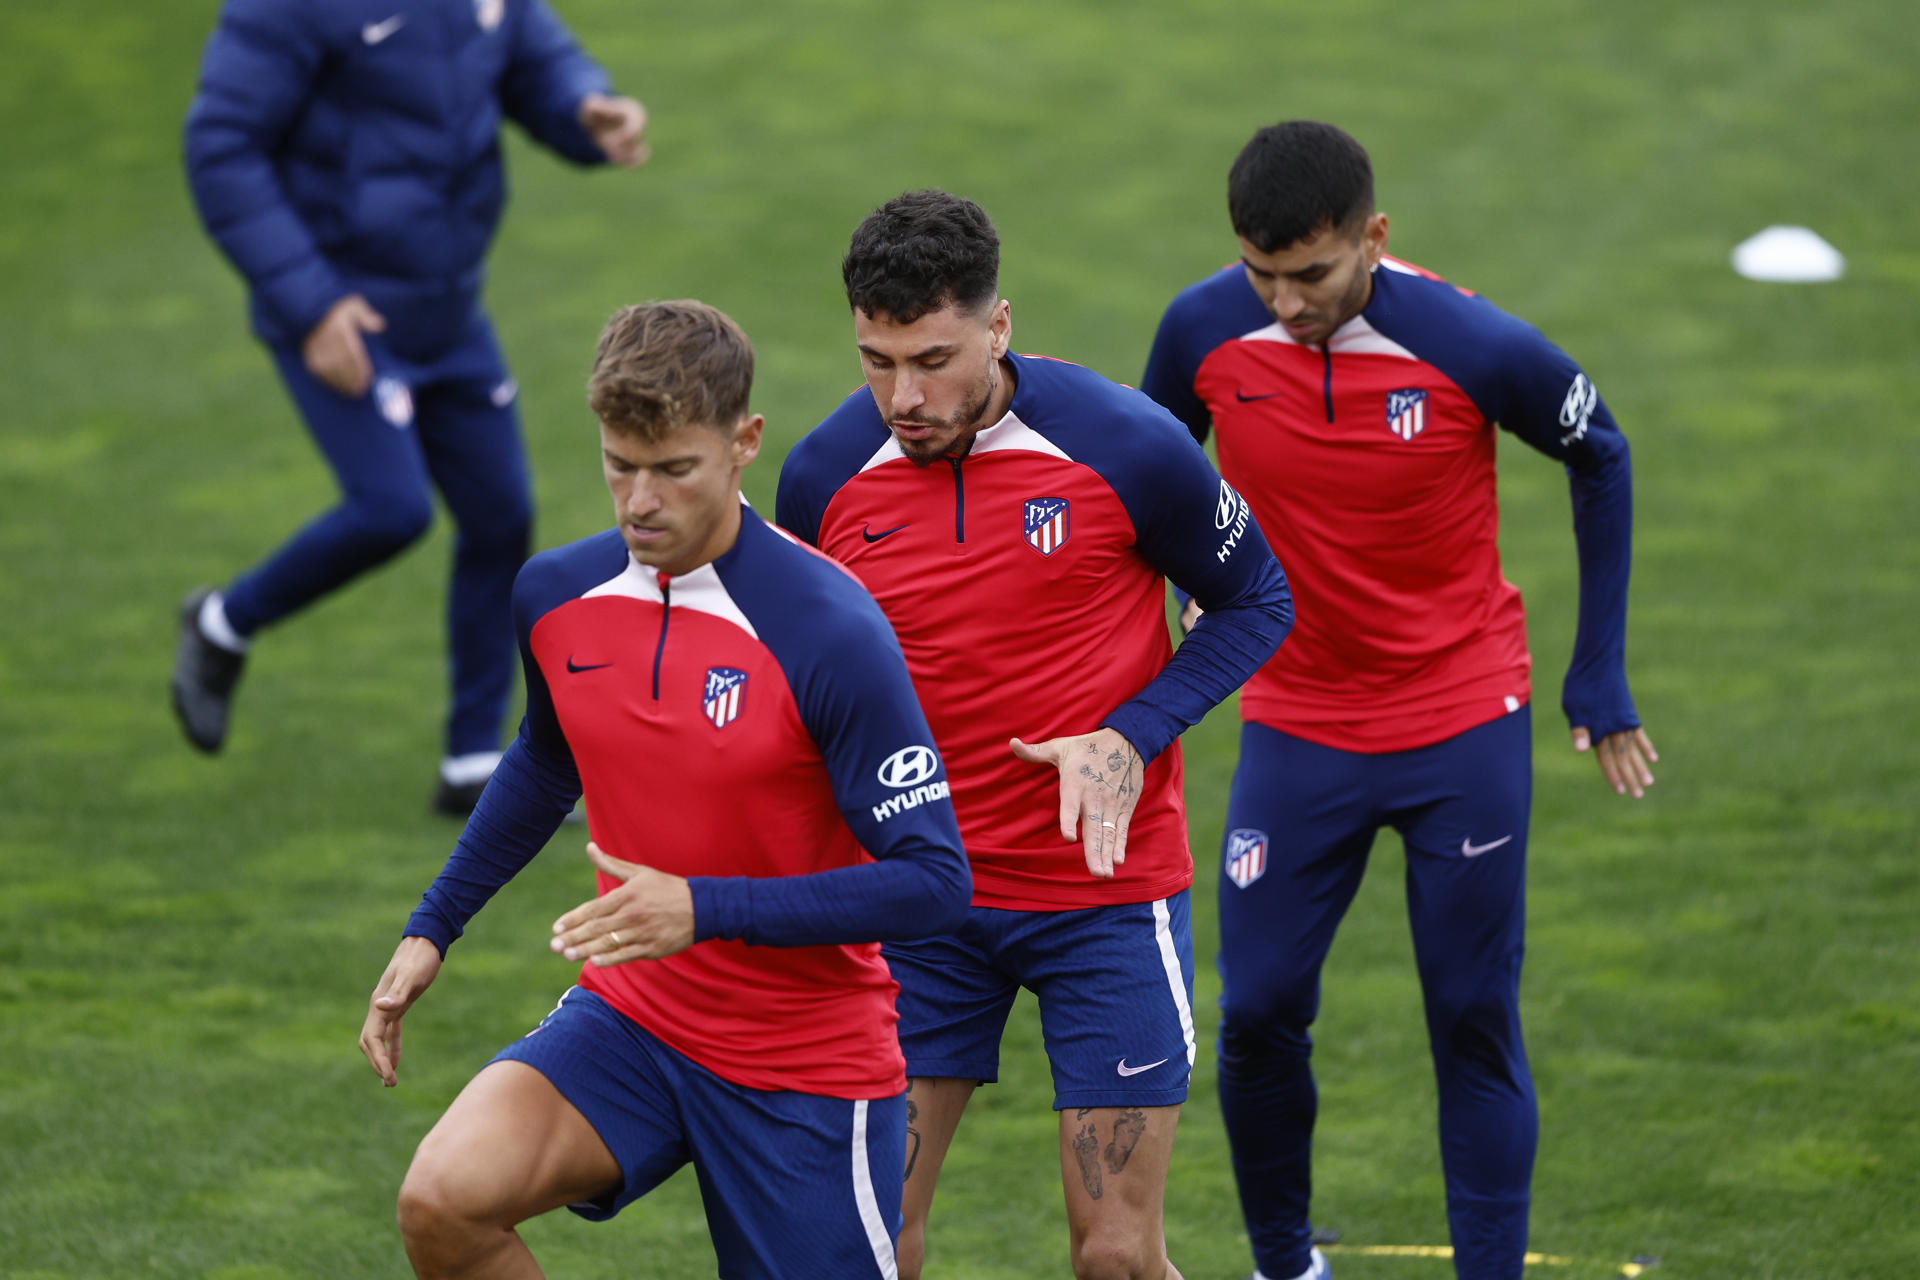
x=352 y=146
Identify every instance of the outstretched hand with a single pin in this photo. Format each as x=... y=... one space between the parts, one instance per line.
x=618 y=127
x=1624 y=758
x=415 y=964
x=650 y=915
x=1100 y=776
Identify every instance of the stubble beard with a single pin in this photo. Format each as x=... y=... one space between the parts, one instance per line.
x=1351 y=304
x=1359 y=293
x=966 y=424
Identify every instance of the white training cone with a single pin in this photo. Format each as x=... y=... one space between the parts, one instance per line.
x=1788 y=255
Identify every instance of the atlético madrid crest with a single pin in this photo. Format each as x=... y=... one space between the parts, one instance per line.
x=1246 y=856
x=1407 y=412
x=1047 y=524
x=726 y=688
x=395 y=402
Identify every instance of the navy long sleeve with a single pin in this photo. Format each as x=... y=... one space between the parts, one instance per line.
x=524 y=803
x=1202 y=535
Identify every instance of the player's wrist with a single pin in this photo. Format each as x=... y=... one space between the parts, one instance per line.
x=424 y=932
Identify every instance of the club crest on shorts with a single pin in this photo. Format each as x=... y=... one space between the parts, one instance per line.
x=489 y=12
x=725 y=689
x=1407 y=412
x=1047 y=524
x=394 y=400
x=1246 y=857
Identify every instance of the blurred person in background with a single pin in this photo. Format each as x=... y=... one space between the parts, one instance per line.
x=1354 y=398
x=346 y=159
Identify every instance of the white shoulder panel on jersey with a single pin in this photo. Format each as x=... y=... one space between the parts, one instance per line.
x=1011 y=433
x=1357 y=337
x=1354 y=338
x=1008 y=433
x=1272 y=333
x=701 y=590
x=884 y=454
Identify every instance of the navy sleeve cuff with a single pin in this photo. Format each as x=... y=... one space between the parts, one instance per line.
x=722 y=906
x=434 y=927
x=1150 y=730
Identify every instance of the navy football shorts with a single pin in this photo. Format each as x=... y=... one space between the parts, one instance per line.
x=796 y=1186
x=1115 y=986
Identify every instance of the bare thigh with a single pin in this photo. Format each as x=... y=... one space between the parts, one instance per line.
x=508 y=1149
x=1113 y=1166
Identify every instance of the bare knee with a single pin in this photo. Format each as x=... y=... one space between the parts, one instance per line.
x=909 y=1265
x=1119 y=1255
x=445 y=1230
x=911 y=1251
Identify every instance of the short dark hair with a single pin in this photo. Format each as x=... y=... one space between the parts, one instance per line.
x=664 y=365
x=1293 y=179
x=919 y=252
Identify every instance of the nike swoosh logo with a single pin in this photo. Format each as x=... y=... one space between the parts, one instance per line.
x=1244 y=398
x=375 y=32
x=866 y=531
x=1126 y=1070
x=577 y=668
x=1472 y=850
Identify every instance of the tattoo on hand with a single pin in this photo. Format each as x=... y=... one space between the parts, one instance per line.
x=1126 y=1135
x=1086 y=1151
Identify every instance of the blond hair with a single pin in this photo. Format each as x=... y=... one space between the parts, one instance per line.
x=665 y=365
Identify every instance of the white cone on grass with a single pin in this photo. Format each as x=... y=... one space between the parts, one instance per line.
x=1788 y=255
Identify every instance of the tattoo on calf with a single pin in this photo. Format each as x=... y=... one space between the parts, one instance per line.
x=913 y=1135
x=1086 y=1151
x=1126 y=1135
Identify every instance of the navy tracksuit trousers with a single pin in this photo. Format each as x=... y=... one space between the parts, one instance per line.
x=449 y=423
x=1300 y=822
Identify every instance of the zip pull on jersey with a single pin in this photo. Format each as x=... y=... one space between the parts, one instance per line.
x=666 y=611
x=959 y=499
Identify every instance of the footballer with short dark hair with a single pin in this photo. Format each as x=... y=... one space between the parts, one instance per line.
x=1354 y=399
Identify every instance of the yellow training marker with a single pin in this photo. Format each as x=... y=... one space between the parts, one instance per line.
x=1629 y=1270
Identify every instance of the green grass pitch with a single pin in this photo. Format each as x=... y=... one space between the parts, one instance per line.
x=1723 y=984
